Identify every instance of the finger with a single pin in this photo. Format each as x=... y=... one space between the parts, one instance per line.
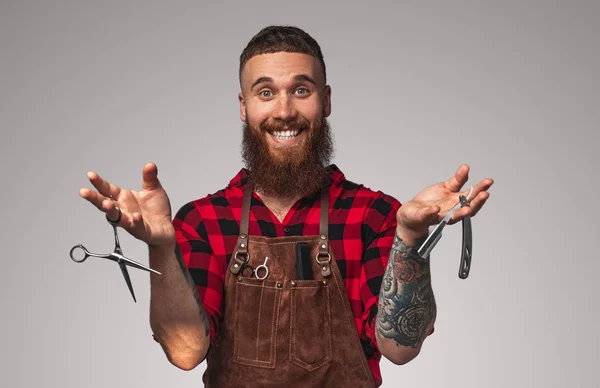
x=135 y=225
x=459 y=179
x=460 y=214
x=478 y=202
x=150 y=177
x=416 y=216
x=128 y=221
x=104 y=204
x=427 y=215
x=482 y=186
x=136 y=218
x=471 y=210
x=110 y=208
x=103 y=186
x=95 y=198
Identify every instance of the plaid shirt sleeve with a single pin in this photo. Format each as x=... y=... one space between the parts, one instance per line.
x=379 y=229
x=202 y=265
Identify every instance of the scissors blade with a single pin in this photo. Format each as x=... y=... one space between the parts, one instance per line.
x=127 y=279
x=431 y=241
x=449 y=215
x=436 y=234
x=122 y=259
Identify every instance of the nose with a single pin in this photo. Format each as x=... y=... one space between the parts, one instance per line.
x=284 y=109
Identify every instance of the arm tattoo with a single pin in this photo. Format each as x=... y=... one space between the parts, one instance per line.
x=192 y=285
x=406 y=301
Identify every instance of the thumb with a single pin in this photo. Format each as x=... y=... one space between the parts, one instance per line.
x=427 y=215
x=150 y=177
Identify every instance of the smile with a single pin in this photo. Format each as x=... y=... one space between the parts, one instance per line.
x=286 y=136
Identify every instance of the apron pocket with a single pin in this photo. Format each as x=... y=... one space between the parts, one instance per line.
x=310 y=336
x=256 y=317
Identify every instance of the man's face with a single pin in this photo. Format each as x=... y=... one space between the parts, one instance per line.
x=284 y=104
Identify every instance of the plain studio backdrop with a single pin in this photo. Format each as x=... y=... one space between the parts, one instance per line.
x=510 y=88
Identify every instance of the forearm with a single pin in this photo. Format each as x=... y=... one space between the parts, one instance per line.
x=177 y=318
x=407 y=306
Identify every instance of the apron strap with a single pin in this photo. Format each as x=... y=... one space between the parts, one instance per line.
x=324 y=257
x=245 y=219
x=240 y=256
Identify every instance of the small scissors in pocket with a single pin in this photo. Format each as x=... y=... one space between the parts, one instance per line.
x=117 y=256
x=263 y=265
x=254 y=271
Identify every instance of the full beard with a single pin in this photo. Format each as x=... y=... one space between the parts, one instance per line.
x=293 y=172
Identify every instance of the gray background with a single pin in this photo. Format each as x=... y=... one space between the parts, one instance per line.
x=511 y=88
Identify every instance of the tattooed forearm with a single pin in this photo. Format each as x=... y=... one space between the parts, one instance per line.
x=406 y=301
x=192 y=286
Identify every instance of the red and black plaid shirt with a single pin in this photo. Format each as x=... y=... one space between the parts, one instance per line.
x=362 y=223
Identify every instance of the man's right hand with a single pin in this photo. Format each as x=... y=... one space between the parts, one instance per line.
x=146 y=214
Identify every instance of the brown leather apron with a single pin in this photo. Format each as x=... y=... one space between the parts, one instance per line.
x=284 y=332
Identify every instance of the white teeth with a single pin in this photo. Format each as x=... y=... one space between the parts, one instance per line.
x=285 y=135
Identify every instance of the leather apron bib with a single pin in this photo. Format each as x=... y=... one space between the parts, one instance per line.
x=284 y=332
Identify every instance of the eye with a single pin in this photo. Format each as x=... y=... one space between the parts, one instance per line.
x=266 y=93
x=302 y=91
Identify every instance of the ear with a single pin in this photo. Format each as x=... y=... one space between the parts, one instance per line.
x=327 y=101
x=242 y=107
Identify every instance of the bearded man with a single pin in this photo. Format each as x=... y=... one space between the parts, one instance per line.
x=292 y=275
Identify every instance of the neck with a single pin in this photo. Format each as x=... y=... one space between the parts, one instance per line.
x=280 y=206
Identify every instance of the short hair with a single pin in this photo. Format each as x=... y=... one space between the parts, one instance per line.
x=273 y=39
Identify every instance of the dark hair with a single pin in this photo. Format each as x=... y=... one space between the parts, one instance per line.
x=274 y=39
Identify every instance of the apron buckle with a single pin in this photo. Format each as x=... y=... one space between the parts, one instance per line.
x=324 y=264
x=238 y=264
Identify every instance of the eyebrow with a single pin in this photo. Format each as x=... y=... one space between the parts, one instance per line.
x=305 y=77
x=299 y=77
x=261 y=80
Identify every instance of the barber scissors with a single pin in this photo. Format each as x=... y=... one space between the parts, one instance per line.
x=263 y=266
x=117 y=256
x=254 y=271
x=467 y=238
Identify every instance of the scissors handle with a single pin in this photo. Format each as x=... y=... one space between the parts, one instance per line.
x=266 y=270
x=467 y=244
x=244 y=270
x=86 y=254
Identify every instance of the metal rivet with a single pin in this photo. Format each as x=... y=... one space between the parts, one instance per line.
x=242 y=245
x=239 y=278
x=236 y=265
x=323 y=236
x=323 y=246
x=325 y=282
x=324 y=268
x=243 y=235
x=293 y=283
x=278 y=285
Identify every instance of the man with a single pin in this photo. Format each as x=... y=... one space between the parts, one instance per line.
x=292 y=275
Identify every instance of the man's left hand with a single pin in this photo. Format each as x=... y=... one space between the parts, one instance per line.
x=433 y=203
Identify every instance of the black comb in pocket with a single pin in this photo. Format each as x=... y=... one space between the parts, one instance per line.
x=303 y=266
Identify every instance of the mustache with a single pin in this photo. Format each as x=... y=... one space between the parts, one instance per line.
x=272 y=125
x=288 y=174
